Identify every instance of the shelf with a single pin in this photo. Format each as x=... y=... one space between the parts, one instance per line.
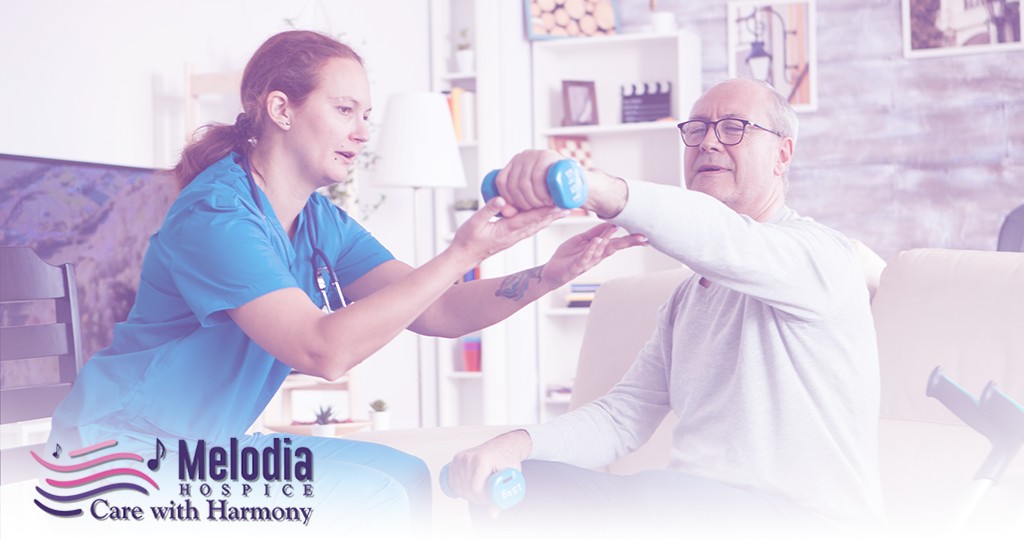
x=562 y=398
x=305 y=381
x=616 y=40
x=640 y=151
x=307 y=430
x=609 y=129
x=567 y=311
x=457 y=76
x=466 y=375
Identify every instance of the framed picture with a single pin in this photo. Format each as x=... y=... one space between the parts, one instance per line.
x=935 y=28
x=775 y=41
x=551 y=19
x=579 y=101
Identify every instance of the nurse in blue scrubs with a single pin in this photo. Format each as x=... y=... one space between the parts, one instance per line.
x=242 y=284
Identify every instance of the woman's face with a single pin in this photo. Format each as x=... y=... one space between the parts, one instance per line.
x=330 y=128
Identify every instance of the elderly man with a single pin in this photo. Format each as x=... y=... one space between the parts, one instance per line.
x=767 y=354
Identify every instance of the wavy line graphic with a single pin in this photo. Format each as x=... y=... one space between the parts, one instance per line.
x=86 y=464
x=58 y=512
x=101 y=475
x=94 y=492
x=92 y=448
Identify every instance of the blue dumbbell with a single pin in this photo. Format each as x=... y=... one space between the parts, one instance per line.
x=566 y=183
x=504 y=487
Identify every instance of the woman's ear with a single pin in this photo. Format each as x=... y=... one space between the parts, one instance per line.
x=278 y=109
x=784 y=156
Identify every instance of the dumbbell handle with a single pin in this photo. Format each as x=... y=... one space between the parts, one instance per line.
x=504 y=487
x=565 y=180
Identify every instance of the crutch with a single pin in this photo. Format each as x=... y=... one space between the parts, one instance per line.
x=997 y=417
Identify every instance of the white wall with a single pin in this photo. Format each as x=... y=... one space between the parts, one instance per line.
x=101 y=81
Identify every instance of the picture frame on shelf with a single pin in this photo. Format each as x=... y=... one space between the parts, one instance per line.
x=932 y=29
x=579 y=102
x=551 y=19
x=775 y=41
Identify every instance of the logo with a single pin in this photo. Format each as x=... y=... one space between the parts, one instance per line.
x=234 y=483
x=105 y=471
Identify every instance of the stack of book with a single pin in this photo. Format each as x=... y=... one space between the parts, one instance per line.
x=462 y=104
x=471 y=353
x=581 y=294
x=559 y=392
x=646 y=102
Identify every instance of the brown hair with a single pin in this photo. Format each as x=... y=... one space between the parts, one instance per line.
x=288 y=62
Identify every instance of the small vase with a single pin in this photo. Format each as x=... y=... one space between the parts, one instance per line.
x=322 y=431
x=381 y=420
x=464 y=61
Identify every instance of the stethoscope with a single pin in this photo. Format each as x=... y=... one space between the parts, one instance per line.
x=318 y=271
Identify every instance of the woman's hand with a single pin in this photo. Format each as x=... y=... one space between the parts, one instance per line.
x=583 y=251
x=482 y=235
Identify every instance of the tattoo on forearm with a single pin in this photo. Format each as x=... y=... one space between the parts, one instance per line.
x=514 y=286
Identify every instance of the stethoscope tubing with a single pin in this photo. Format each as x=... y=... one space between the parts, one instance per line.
x=318 y=280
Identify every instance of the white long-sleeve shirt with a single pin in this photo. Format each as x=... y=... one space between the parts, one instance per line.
x=772 y=369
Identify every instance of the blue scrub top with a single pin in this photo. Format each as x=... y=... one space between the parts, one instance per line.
x=179 y=366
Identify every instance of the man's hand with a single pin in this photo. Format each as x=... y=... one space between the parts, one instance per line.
x=584 y=251
x=523 y=184
x=468 y=473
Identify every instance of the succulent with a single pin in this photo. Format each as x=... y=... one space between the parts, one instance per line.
x=379 y=406
x=323 y=415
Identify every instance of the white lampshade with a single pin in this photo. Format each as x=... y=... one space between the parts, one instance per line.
x=416 y=146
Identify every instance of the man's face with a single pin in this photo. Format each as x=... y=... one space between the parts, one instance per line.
x=747 y=177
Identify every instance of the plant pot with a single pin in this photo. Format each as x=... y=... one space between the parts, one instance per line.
x=323 y=431
x=381 y=420
x=464 y=61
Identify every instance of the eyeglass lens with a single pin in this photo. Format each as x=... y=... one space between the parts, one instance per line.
x=729 y=131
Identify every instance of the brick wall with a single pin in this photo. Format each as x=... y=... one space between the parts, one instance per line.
x=901 y=153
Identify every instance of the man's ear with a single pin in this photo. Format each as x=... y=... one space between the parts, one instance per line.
x=278 y=110
x=784 y=156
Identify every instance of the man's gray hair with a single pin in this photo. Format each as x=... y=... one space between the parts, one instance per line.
x=781 y=115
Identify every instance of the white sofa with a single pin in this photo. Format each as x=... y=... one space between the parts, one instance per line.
x=961 y=310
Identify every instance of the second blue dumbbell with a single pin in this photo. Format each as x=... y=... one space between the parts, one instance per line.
x=566 y=184
x=505 y=487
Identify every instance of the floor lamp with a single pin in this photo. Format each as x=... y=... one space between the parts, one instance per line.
x=416 y=148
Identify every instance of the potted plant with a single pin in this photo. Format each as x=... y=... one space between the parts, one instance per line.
x=464 y=60
x=324 y=423
x=379 y=415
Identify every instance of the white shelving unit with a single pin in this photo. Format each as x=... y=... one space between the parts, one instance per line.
x=649 y=151
x=470 y=397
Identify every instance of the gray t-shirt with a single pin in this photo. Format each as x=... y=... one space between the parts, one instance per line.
x=772 y=368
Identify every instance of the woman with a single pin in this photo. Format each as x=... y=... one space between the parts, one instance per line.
x=233 y=286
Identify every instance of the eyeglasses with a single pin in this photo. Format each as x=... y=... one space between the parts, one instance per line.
x=729 y=131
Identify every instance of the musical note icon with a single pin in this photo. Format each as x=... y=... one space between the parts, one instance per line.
x=56 y=454
x=161 y=453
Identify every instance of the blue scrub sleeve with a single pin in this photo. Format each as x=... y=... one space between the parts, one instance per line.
x=360 y=253
x=221 y=256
